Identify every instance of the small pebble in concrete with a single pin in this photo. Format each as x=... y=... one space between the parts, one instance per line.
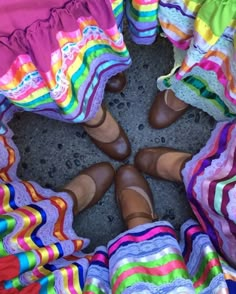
x=157 y=140
x=122 y=94
x=68 y=164
x=110 y=218
x=42 y=161
x=141 y=127
x=59 y=146
x=116 y=101
x=121 y=105
x=77 y=162
x=100 y=203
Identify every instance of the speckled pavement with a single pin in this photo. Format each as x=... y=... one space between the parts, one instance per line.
x=53 y=152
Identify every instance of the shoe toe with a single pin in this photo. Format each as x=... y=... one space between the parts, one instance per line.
x=116 y=83
x=121 y=147
x=128 y=176
x=143 y=160
x=161 y=115
x=158 y=118
x=103 y=174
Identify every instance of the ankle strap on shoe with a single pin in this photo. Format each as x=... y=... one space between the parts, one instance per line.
x=101 y=121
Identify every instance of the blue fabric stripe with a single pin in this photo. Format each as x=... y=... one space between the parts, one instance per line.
x=12 y=196
x=23 y=261
x=98 y=263
x=3 y=226
x=193 y=237
x=34 y=236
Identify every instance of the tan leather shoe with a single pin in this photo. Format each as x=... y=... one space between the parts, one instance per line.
x=133 y=195
x=161 y=115
x=146 y=160
x=119 y=149
x=102 y=174
x=116 y=83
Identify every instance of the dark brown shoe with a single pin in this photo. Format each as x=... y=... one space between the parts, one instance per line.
x=161 y=115
x=119 y=149
x=116 y=83
x=146 y=160
x=138 y=205
x=102 y=174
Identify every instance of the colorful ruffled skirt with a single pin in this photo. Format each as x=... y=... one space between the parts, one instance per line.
x=41 y=253
x=203 y=34
x=141 y=16
x=57 y=57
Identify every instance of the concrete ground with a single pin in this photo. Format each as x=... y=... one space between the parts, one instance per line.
x=53 y=152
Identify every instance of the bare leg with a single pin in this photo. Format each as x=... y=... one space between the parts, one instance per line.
x=107 y=132
x=174 y=103
x=169 y=165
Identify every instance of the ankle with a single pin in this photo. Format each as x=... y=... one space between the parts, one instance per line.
x=103 y=128
x=170 y=166
x=179 y=165
x=95 y=120
x=138 y=221
x=83 y=187
x=173 y=102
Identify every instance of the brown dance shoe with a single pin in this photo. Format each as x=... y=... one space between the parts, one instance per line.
x=119 y=149
x=133 y=196
x=116 y=83
x=146 y=160
x=102 y=174
x=161 y=115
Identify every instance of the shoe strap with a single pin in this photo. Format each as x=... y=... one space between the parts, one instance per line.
x=101 y=121
x=138 y=214
x=151 y=216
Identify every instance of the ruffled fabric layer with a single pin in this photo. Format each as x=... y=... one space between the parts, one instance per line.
x=203 y=34
x=39 y=38
x=59 y=66
x=210 y=184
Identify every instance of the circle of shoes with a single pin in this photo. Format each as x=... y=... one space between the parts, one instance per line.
x=133 y=194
